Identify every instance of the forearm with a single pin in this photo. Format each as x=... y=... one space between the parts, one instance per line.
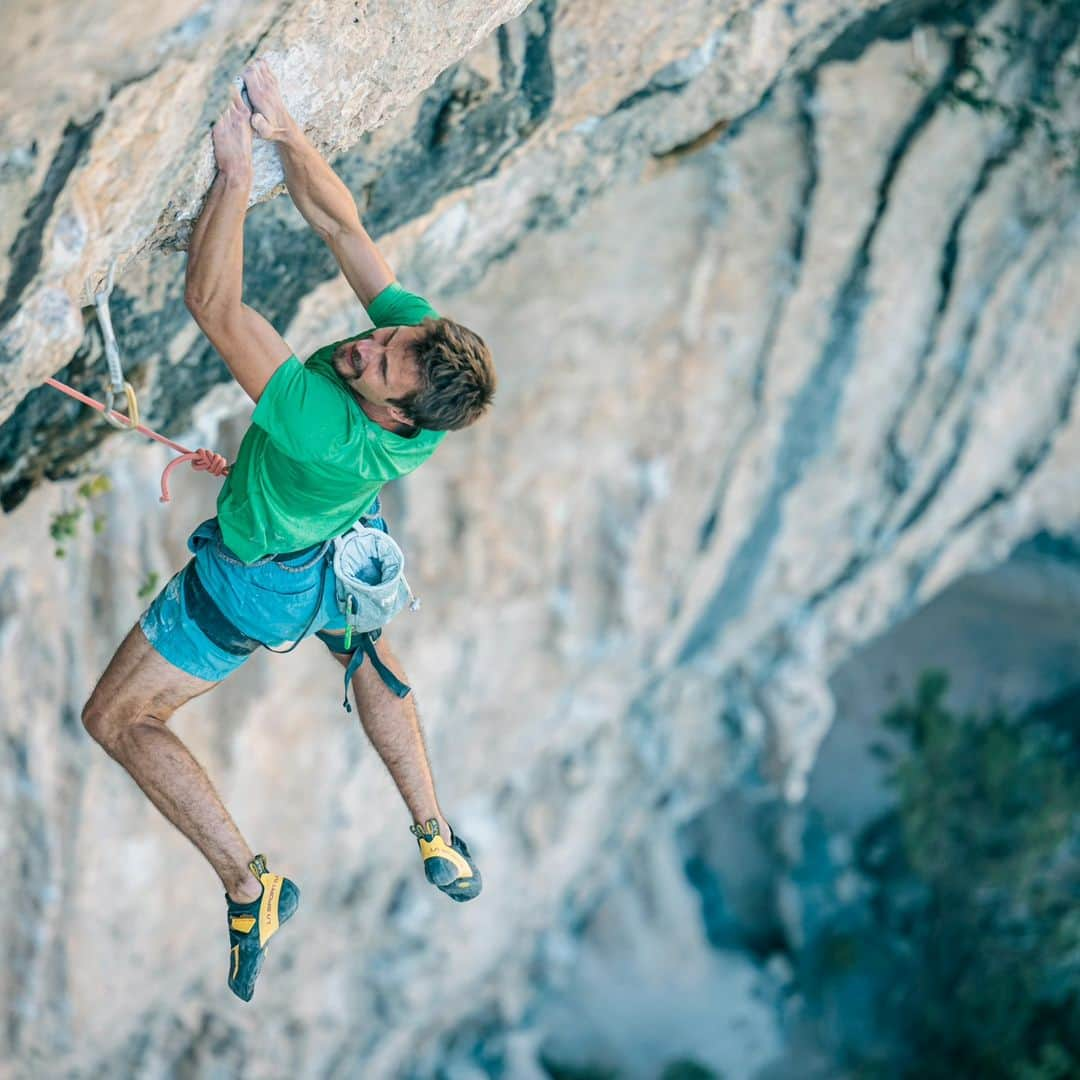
x=215 y=266
x=318 y=192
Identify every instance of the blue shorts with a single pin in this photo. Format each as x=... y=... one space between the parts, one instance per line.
x=212 y=615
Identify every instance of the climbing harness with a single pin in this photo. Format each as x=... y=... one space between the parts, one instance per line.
x=201 y=460
x=370 y=588
x=390 y=680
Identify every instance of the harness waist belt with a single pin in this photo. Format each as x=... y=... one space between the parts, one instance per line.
x=285 y=556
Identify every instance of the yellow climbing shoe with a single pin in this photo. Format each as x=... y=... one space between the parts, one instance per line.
x=252 y=925
x=449 y=867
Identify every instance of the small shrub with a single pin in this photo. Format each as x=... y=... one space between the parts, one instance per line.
x=989 y=814
x=62 y=527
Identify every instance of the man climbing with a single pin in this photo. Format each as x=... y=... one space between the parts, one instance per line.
x=325 y=437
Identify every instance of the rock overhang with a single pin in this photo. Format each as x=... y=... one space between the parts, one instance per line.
x=435 y=114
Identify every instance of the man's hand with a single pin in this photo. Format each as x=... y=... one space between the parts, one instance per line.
x=232 y=139
x=270 y=119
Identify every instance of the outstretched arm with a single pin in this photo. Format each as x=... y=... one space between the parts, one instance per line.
x=318 y=192
x=251 y=348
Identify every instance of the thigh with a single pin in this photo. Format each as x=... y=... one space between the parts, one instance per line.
x=139 y=681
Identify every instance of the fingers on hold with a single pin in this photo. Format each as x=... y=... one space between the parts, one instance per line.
x=238 y=101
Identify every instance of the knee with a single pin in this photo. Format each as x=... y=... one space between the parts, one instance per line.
x=108 y=722
x=99 y=721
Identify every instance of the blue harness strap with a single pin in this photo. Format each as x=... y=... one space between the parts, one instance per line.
x=335 y=643
x=208 y=617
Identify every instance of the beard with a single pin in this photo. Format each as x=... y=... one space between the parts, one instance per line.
x=346 y=361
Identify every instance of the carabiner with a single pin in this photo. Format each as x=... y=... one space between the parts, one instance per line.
x=132 y=420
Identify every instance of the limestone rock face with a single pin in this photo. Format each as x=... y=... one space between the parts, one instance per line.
x=113 y=164
x=106 y=141
x=804 y=354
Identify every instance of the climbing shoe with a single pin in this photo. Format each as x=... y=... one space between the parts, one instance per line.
x=252 y=925
x=449 y=867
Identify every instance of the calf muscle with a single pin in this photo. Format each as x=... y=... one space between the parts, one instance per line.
x=392 y=724
x=128 y=714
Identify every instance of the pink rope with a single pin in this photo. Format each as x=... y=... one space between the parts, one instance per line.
x=201 y=460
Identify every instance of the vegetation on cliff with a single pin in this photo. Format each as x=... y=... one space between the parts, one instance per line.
x=981 y=869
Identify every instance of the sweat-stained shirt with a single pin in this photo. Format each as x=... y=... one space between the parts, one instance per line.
x=312 y=461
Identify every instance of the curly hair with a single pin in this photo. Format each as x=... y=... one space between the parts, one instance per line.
x=457 y=377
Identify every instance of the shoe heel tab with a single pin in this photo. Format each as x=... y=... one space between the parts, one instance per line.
x=428 y=831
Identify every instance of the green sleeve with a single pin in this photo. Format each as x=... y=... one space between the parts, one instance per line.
x=305 y=414
x=394 y=306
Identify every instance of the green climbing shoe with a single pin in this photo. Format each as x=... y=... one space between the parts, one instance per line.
x=252 y=925
x=449 y=867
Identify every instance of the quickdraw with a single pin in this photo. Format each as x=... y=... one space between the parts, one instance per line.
x=117 y=384
x=201 y=460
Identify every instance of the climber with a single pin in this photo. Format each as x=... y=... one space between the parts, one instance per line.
x=325 y=437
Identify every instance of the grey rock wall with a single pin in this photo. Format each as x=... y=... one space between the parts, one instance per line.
x=617 y=70
x=114 y=162
x=766 y=388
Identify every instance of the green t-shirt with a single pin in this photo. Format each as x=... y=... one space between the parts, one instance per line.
x=312 y=461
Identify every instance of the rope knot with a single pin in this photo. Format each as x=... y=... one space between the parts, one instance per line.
x=208 y=461
x=201 y=460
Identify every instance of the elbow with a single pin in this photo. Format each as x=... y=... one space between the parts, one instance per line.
x=211 y=310
x=198 y=309
x=194 y=286
x=205 y=297
x=194 y=298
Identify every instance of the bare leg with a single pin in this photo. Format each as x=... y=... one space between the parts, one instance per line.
x=128 y=714
x=393 y=726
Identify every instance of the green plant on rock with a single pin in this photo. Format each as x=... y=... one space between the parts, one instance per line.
x=98 y=485
x=62 y=526
x=989 y=812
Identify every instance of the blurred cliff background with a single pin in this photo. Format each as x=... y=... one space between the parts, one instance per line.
x=748 y=660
